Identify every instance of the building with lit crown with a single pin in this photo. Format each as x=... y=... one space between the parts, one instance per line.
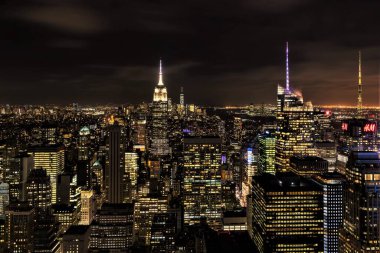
x=159 y=142
x=295 y=125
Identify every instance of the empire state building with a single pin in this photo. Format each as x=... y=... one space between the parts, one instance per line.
x=159 y=144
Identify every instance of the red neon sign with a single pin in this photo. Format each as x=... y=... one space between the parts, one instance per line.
x=369 y=127
x=344 y=126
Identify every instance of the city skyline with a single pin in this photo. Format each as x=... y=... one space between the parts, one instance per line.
x=94 y=53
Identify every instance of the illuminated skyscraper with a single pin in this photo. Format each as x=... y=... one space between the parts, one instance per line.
x=16 y=175
x=4 y=198
x=287 y=213
x=267 y=150
x=47 y=226
x=88 y=207
x=84 y=144
x=130 y=176
x=39 y=191
x=163 y=232
x=52 y=159
x=361 y=223
x=145 y=209
x=333 y=185
x=295 y=125
x=182 y=98
x=159 y=142
x=112 y=229
x=202 y=186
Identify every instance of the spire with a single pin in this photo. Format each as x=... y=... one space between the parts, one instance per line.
x=160 y=82
x=360 y=90
x=287 y=66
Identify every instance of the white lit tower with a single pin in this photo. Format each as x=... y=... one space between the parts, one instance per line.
x=295 y=124
x=159 y=142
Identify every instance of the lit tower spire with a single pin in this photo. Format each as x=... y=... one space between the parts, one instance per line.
x=360 y=88
x=160 y=82
x=287 y=66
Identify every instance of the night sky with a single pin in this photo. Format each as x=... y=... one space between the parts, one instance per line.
x=222 y=52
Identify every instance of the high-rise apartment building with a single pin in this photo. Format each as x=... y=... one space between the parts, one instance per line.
x=202 y=186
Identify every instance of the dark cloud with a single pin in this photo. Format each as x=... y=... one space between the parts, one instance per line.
x=222 y=52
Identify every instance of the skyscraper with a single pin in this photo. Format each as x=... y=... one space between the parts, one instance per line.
x=287 y=213
x=159 y=142
x=4 y=198
x=333 y=186
x=267 y=150
x=295 y=124
x=88 y=207
x=130 y=176
x=52 y=159
x=20 y=223
x=361 y=223
x=202 y=186
x=39 y=191
x=115 y=170
x=112 y=229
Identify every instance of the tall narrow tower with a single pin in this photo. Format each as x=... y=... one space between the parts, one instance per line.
x=295 y=124
x=159 y=142
x=360 y=87
x=182 y=98
x=287 y=66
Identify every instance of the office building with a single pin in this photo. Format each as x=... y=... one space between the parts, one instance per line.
x=308 y=166
x=115 y=168
x=159 y=142
x=295 y=125
x=112 y=228
x=76 y=239
x=88 y=207
x=287 y=213
x=4 y=198
x=333 y=186
x=361 y=220
x=52 y=159
x=145 y=209
x=20 y=223
x=202 y=181
x=267 y=150
x=163 y=232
